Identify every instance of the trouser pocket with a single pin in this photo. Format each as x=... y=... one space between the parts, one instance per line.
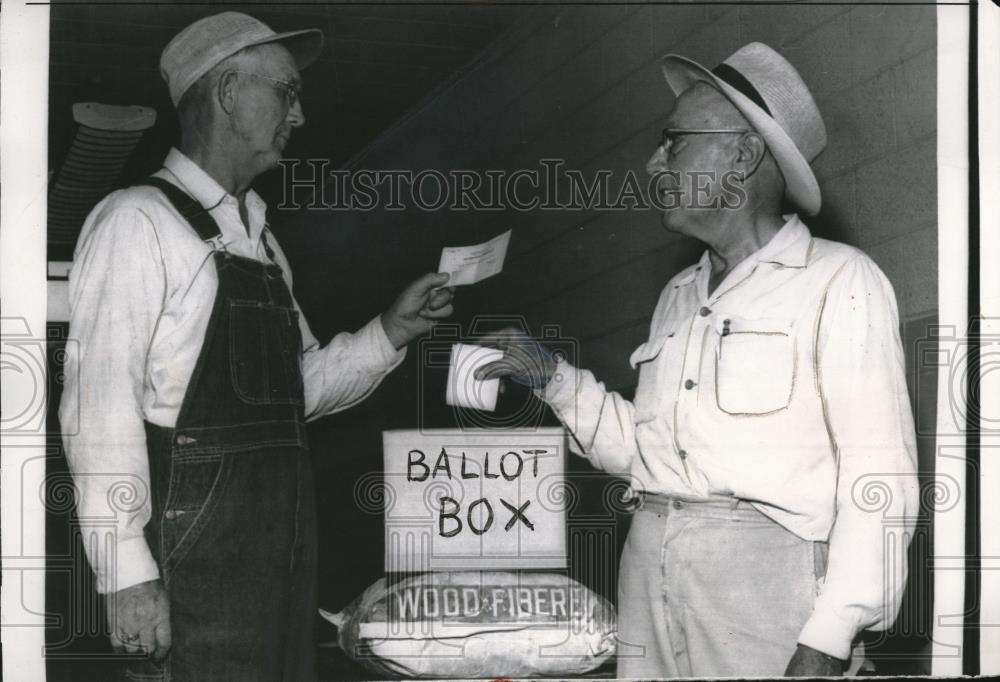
x=196 y=485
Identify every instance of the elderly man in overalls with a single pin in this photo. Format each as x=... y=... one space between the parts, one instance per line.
x=195 y=373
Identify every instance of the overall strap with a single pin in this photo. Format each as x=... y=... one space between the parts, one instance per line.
x=199 y=218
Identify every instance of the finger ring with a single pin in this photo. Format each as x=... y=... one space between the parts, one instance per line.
x=128 y=639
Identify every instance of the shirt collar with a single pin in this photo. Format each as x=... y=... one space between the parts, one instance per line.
x=204 y=189
x=689 y=276
x=789 y=247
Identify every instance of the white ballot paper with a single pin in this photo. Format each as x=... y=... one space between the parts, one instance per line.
x=463 y=388
x=471 y=264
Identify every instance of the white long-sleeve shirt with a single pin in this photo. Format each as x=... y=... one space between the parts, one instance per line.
x=785 y=386
x=141 y=289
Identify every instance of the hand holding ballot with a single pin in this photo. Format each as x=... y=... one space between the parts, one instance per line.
x=421 y=304
x=425 y=301
x=525 y=360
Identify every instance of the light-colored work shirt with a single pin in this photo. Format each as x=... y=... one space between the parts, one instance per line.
x=785 y=387
x=141 y=290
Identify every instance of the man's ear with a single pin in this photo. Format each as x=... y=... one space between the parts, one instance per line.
x=226 y=91
x=751 y=153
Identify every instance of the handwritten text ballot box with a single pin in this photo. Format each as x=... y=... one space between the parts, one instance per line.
x=475 y=501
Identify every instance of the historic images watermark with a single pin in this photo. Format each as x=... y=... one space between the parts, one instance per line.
x=313 y=185
x=33 y=364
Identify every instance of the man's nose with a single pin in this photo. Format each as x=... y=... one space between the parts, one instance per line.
x=657 y=162
x=296 y=116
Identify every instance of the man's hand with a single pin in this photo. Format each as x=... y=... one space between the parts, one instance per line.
x=139 y=619
x=525 y=360
x=414 y=312
x=807 y=662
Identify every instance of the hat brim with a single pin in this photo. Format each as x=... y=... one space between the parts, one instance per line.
x=305 y=45
x=801 y=187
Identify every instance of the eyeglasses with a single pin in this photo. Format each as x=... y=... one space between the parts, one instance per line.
x=667 y=137
x=292 y=92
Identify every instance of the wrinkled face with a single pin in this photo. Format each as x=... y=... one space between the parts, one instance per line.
x=268 y=104
x=695 y=170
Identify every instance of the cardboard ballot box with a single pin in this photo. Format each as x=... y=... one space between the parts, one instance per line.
x=474 y=501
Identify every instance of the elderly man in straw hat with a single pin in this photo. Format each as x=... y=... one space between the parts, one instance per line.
x=771 y=391
x=196 y=373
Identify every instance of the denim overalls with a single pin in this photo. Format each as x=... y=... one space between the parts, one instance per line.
x=233 y=528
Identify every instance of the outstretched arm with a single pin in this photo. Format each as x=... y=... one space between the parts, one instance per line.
x=601 y=422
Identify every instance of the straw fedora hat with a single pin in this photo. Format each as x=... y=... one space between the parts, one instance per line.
x=770 y=93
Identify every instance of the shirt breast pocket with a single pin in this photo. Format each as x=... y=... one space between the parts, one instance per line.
x=754 y=365
x=648 y=393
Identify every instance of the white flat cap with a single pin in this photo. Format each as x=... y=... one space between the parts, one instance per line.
x=208 y=41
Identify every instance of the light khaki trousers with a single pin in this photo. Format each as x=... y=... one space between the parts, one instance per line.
x=712 y=589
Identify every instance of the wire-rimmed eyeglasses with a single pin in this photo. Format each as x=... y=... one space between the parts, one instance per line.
x=668 y=135
x=292 y=91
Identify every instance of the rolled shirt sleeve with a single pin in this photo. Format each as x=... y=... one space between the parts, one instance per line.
x=116 y=292
x=861 y=377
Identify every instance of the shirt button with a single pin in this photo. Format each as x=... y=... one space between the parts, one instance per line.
x=678 y=504
x=683 y=454
x=185 y=440
x=705 y=311
x=170 y=515
x=688 y=384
